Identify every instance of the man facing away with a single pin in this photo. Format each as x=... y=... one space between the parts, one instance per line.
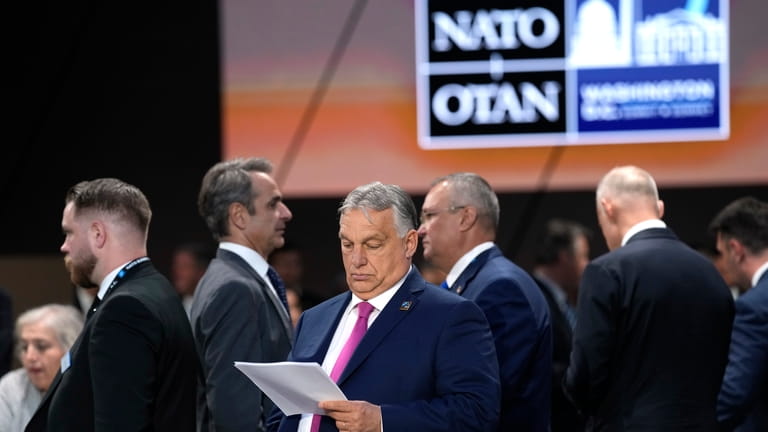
x=742 y=239
x=459 y=219
x=409 y=356
x=563 y=253
x=239 y=312
x=133 y=367
x=653 y=320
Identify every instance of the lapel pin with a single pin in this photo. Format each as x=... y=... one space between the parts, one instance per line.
x=406 y=305
x=459 y=289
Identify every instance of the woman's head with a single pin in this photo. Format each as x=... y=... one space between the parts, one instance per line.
x=43 y=335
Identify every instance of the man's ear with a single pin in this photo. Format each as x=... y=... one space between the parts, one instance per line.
x=237 y=215
x=608 y=208
x=738 y=251
x=660 y=207
x=468 y=218
x=97 y=233
x=411 y=243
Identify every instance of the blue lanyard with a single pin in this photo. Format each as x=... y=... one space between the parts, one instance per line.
x=124 y=272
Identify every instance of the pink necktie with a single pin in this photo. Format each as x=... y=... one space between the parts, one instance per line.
x=364 y=310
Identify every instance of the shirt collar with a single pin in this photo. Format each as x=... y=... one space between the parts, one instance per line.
x=107 y=281
x=642 y=226
x=464 y=261
x=759 y=273
x=256 y=261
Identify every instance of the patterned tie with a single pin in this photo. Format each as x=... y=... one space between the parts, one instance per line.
x=279 y=286
x=364 y=310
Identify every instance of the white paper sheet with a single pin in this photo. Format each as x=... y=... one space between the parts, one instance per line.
x=296 y=388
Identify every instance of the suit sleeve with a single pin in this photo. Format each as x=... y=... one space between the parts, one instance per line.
x=123 y=346
x=232 y=333
x=467 y=391
x=594 y=339
x=747 y=361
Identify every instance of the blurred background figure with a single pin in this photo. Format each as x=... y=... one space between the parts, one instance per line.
x=288 y=262
x=563 y=253
x=6 y=332
x=430 y=272
x=188 y=264
x=718 y=259
x=294 y=305
x=82 y=298
x=43 y=335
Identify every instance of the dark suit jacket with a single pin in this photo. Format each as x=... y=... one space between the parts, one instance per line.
x=564 y=416
x=651 y=339
x=235 y=317
x=133 y=368
x=519 y=319
x=428 y=361
x=743 y=399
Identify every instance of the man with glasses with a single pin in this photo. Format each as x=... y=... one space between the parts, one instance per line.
x=459 y=220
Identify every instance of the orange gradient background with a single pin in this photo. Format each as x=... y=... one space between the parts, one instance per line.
x=365 y=127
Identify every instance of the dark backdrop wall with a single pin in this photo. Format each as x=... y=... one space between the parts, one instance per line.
x=131 y=90
x=108 y=89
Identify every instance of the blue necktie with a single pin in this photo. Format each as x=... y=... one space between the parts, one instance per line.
x=279 y=286
x=445 y=285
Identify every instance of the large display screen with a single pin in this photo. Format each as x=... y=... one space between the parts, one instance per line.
x=343 y=92
x=519 y=73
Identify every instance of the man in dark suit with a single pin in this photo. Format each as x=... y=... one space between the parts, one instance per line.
x=426 y=361
x=562 y=255
x=653 y=320
x=459 y=219
x=134 y=365
x=238 y=312
x=742 y=240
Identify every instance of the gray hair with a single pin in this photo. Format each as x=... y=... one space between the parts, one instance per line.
x=379 y=197
x=469 y=189
x=630 y=182
x=226 y=183
x=65 y=321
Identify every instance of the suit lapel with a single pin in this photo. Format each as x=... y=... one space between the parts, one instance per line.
x=317 y=335
x=405 y=300
x=470 y=272
x=240 y=263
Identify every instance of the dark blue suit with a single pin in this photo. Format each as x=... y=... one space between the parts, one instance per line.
x=743 y=399
x=519 y=317
x=651 y=340
x=428 y=361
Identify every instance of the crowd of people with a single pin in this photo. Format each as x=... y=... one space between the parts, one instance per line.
x=647 y=337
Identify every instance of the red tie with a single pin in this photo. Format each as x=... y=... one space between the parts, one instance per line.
x=364 y=310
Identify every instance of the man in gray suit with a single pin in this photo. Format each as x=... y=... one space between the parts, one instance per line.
x=239 y=311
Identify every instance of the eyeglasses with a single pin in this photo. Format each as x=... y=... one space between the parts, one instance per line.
x=426 y=216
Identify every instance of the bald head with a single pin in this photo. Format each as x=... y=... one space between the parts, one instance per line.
x=630 y=185
x=626 y=195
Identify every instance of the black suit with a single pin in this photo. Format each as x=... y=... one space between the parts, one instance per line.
x=651 y=339
x=564 y=416
x=133 y=368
